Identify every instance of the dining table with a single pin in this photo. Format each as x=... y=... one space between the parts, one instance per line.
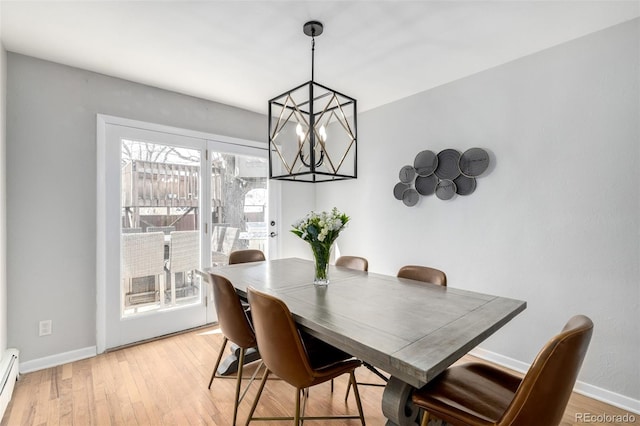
x=409 y=329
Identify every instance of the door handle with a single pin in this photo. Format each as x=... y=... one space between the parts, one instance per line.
x=273 y=234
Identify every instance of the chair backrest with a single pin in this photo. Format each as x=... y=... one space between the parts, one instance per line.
x=424 y=274
x=142 y=254
x=184 y=254
x=353 y=262
x=231 y=316
x=246 y=256
x=543 y=394
x=279 y=341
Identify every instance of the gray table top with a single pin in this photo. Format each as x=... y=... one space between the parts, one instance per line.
x=410 y=329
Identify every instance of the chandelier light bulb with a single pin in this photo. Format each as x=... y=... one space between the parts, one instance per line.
x=323 y=133
x=300 y=132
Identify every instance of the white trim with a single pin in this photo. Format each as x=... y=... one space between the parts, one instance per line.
x=142 y=125
x=595 y=392
x=58 y=359
x=101 y=236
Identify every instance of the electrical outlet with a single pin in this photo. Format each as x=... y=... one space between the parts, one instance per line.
x=45 y=328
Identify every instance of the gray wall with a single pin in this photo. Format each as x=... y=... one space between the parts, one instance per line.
x=51 y=184
x=555 y=223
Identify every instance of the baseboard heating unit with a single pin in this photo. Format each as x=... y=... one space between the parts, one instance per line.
x=8 y=376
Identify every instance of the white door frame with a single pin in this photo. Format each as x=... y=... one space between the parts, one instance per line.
x=108 y=244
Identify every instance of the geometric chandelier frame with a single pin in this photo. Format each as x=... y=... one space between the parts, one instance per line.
x=312 y=130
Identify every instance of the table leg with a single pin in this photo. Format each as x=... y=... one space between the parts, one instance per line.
x=229 y=365
x=397 y=406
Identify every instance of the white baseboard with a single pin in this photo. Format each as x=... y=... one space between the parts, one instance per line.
x=58 y=359
x=604 y=395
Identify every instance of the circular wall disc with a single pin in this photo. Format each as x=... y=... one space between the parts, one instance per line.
x=448 y=164
x=425 y=163
x=399 y=189
x=473 y=162
x=465 y=185
x=410 y=197
x=446 y=189
x=407 y=173
x=426 y=185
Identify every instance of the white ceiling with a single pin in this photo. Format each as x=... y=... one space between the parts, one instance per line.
x=243 y=53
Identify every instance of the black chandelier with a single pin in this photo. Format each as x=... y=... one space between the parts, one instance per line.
x=312 y=130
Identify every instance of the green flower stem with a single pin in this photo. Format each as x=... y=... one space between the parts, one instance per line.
x=321 y=253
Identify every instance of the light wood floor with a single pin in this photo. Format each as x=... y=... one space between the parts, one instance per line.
x=164 y=382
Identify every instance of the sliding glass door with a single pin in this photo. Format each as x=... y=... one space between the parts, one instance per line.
x=173 y=204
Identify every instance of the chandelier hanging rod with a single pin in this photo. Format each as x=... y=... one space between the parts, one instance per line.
x=313 y=29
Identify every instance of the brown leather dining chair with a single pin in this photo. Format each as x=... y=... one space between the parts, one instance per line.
x=287 y=356
x=477 y=394
x=235 y=327
x=245 y=256
x=424 y=274
x=353 y=262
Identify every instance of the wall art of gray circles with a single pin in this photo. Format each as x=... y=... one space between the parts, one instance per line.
x=425 y=163
x=410 y=197
x=399 y=189
x=465 y=185
x=407 y=174
x=448 y=164
x=473 y=162
x=445 y=189
x=426 y=185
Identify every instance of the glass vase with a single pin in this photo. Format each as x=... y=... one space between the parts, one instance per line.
x=321 y=255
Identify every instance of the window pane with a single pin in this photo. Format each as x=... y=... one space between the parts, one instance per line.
x=160 y=226
x=239 y=205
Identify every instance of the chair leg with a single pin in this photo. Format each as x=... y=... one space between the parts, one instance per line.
x=346 y=395
x=425 y=419
x=374 y=371
x=356 y=393
x=296 y=419
x=255 y=401
x=215 y=368
x=236 y=401
x=251 y=379
x=303 y=409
